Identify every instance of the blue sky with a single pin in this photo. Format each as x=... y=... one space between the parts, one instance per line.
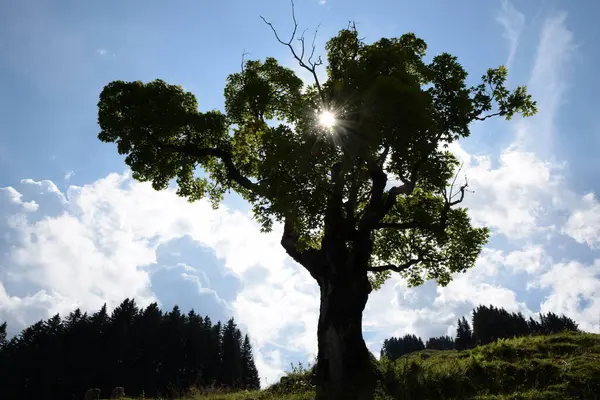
x=77 y=231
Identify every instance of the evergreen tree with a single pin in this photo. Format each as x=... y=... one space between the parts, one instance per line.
x=160 y=353
x=552 y=323
x=231 y=354
x=393 y=348
x=147 y=347
x=464 y=335
x=440 y=343
x=250 y=378
x=3 y=335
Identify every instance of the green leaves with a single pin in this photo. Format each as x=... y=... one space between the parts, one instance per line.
x=395 y=114
x=154 y=124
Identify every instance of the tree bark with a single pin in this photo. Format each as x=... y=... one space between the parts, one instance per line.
x=345 y=367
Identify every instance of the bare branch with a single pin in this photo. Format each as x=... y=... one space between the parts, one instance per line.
x=454 y=181
x=301 y=40
x=395 y=268
x=244 y=54
x=312 y=53
x=461 y=190
x=310 y=67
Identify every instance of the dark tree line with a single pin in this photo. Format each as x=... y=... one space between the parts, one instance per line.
x=489 y=324
x=145 y=350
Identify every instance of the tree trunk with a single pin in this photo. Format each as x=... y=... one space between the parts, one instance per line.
x=345 y=367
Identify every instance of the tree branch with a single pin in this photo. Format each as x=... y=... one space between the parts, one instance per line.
x=499 y=113
x=196 y=152
x=311 y=66
x=289 y=241
x=335 y=223
x=400 y=225
x=395 y=268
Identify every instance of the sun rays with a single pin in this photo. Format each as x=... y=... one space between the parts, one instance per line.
x=327 y=119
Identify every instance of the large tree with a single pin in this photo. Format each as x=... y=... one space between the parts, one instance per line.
x=355 y=167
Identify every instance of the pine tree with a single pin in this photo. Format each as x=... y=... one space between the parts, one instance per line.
x=231 y=355
x=393 y=348
x=165 y=354
x=464 y=335
x=440 y=343
x=250 y=378
x=3 y=335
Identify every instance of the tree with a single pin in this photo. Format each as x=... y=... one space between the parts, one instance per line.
x=231 y=355
x=440 y=343
x=464 y=335
x=356 y=168
x=250 y=378
x=393 y=348
x=3 y=341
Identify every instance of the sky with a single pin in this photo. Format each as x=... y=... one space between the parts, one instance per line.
x=77 y=231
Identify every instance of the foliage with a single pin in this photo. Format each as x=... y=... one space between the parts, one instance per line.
x=538 y=367
x=144 y=350
x=396 y=114
x=562 y=366
x=395 y=347
x=298 y=380
x=440 y=343
x=464 y=335
x=489 y=324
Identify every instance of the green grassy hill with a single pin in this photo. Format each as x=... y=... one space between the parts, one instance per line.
x=565 y=366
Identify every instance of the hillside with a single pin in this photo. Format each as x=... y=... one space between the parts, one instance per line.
x=564 y=366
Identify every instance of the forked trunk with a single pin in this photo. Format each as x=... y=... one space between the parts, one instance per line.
x=345 y=369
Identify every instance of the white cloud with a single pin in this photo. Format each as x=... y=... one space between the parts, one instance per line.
x=513 y=23
x=513 y=197
x=548 y=83
x=100 y=245
x=46 y=187
x=583 y=224
x=101 y=52
x=16 y=198
x=531 y=259
x=575 y=292
x=68 y=175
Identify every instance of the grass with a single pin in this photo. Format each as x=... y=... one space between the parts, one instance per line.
x=564 y=366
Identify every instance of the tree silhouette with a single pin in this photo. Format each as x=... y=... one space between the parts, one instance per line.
x=440 y=343
x=143 y=350
x=394 y=348
x=250 y=376
x=363 y=186
x=464 y=335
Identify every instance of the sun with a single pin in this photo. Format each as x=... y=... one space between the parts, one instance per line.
x=327 y=119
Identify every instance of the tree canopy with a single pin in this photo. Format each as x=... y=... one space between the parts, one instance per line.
x=356 y=167
x=380 y=166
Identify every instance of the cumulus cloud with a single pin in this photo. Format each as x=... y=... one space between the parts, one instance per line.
x=102 y=246
x=17 y=198
x=583 y=224
x=513 y=197
x=575 y=291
